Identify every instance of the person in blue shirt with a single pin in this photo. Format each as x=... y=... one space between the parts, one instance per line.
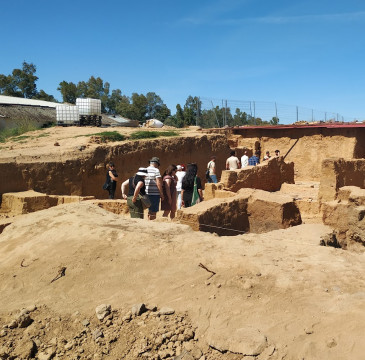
x=254 y=159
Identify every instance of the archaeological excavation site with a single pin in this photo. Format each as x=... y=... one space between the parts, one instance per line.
x=269 y=266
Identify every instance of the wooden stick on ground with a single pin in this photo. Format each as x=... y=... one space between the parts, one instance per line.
x=205 y=268
x=61 y=272
x=22 y=265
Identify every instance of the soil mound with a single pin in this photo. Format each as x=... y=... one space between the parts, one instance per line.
x=272 y=295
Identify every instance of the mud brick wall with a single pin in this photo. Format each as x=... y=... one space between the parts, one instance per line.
x=249 y=211
x=268 y=176
x=306 y=147
x=337 y=173
x=346 y=215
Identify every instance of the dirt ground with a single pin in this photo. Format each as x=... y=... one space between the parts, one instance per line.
x=174 y=293
x=278 y=292
x=60 y=143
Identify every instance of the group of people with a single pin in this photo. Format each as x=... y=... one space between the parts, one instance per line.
x=177 y=187
x=233 y=163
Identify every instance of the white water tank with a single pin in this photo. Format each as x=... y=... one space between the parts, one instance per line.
x=67 y=114
x=89 y=106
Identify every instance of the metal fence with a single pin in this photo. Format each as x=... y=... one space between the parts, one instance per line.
x=259 y=112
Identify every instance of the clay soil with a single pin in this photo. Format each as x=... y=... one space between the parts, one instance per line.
x=278 y=295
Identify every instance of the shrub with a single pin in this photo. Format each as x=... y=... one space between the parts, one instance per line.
x=109 y=136
x=152 y=134
x=22 y=128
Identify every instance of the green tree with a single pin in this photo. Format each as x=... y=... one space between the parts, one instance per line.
x=114 y=100
x=156 y=109
x=8 y=86
x=21 y=83
x=191 y=108
x=274 y=120
x=134 y=110
x=239 y=118
x=25 y=80
x=42 y=95
x=68 y=92
x=95 y=88
x=179 y=116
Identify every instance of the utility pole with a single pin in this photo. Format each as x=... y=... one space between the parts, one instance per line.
x=226 y=112
x=297 y=114
x=197 y=112
x=276 y=111
x=254 y=111
x=215 y=114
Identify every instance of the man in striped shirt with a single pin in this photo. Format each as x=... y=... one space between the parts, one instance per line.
x=154 y=187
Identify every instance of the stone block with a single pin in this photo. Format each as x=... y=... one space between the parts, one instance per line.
x=212 y=191
x=268 y=176
x=346 y=215
x=337 y=173
x=248 y=211
x=25 y=202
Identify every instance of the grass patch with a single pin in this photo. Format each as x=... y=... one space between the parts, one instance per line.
x=20 y=138
x=108 y=136
x=152 y=134
x=41 y=135
x=6 y=134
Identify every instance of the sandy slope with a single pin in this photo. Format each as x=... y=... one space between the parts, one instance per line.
x=306 y=299
x=40 y=144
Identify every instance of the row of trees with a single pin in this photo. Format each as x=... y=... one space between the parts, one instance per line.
x=22 y=83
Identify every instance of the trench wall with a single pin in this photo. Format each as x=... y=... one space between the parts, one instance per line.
x=86 y=176
x=311 y=145
x=337 y=173
x=268 y=176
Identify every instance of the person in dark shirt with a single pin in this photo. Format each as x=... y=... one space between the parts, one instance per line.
x=111 y=178
x=187 y=187
x=254 y=159
x=136 y=186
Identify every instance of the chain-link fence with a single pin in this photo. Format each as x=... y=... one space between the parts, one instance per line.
x=219 y=113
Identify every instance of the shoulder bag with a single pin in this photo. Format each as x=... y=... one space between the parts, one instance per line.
x=196 y=198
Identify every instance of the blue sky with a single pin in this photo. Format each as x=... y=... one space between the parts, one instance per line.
x=306 y=53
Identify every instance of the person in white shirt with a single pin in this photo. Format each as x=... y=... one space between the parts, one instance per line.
x=180 y=173
x=211 y=168
x=244 y=160
x=153 y=183
x=232 y=163
x=267 y=156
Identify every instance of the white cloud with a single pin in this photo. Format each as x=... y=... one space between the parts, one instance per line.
x=214 y=18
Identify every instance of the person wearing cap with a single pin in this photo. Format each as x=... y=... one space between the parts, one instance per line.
x=154 y=187
x=180 y=173
x=136 y=186
x=111 y=178
x=267 y=156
